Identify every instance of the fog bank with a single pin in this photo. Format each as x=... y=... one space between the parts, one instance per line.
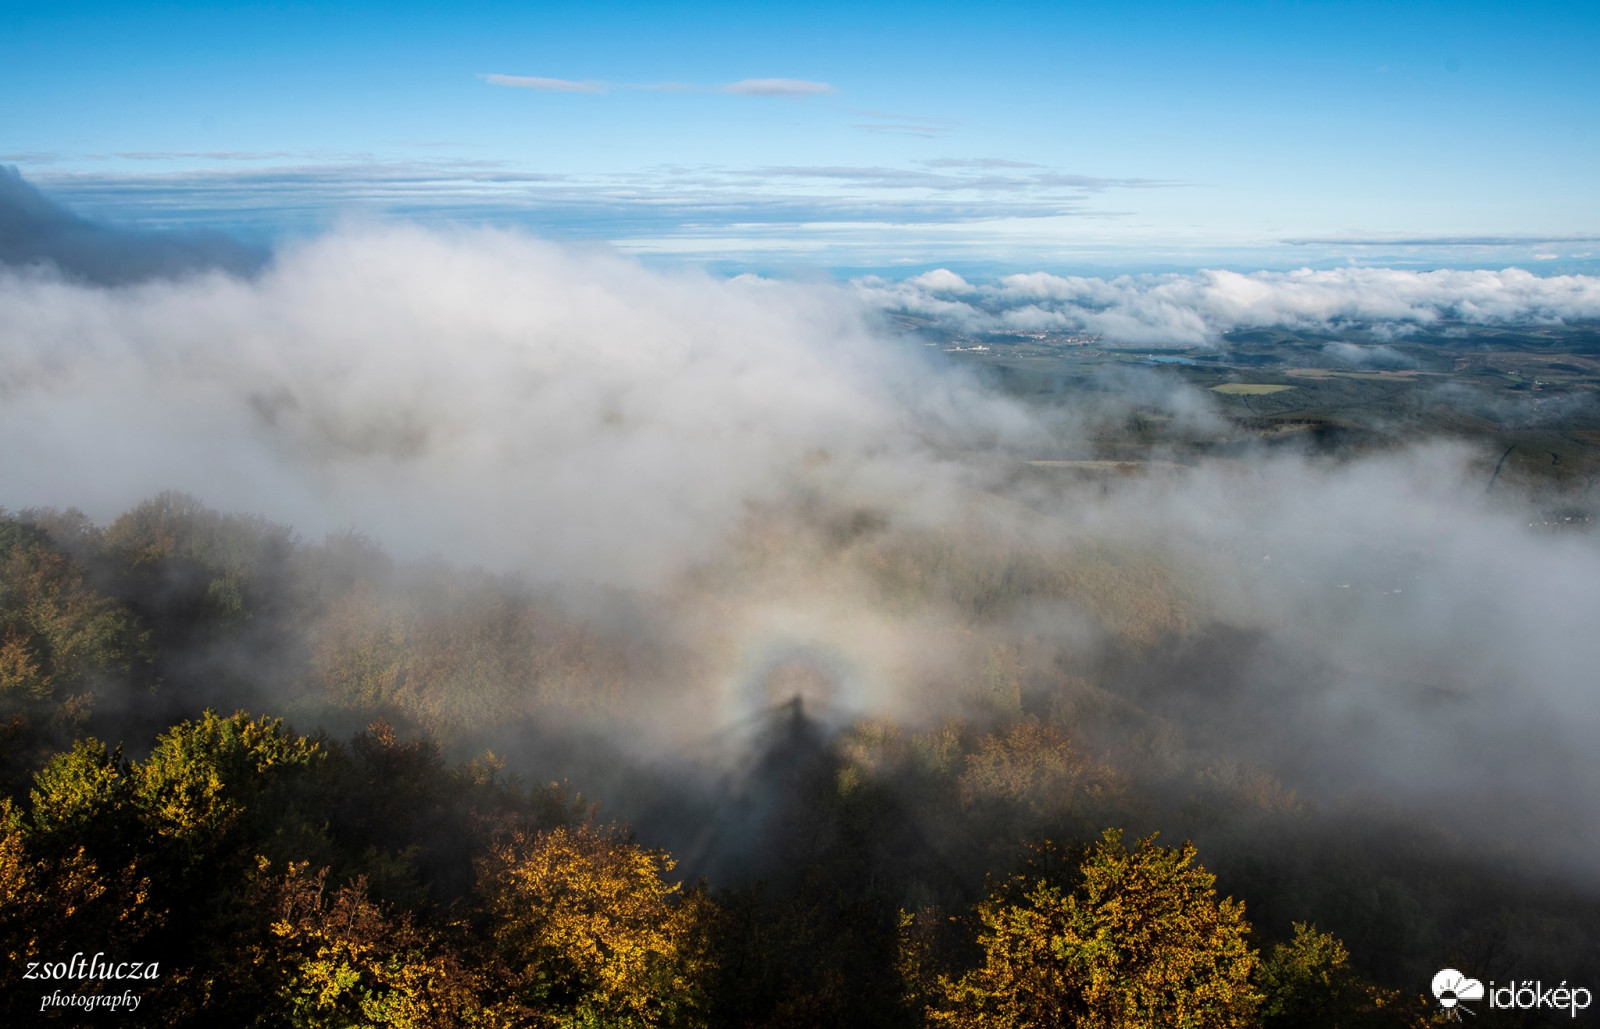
x=800 y=494
x=1196 y=308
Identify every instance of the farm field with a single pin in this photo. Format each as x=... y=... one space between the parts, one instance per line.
x=1250 y=389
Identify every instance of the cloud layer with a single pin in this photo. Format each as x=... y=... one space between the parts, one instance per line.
x=1197 y=308
x=753 y=456
x=672 y=206
x=368 y=371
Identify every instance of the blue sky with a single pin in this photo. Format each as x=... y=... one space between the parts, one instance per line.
x=1262 y=134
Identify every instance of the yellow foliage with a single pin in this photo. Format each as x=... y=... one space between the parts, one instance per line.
x=1140 y=943
x=195 y=782
x=46 y=905
x=1308 y=981
x=592 y=929
x=348 y=962
x=1034 y=764
x=19 y=671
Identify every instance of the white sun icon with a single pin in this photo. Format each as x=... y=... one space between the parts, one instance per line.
x=1451 y=988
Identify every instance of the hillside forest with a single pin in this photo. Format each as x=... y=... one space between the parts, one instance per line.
x=312 y=785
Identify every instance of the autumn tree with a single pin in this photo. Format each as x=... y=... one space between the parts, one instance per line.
x=215 y=787
x=345 y=961
x=1308 y=984
x=63 y=644
x=1138 y=941
x=55 y=893
x=182 y=830
x=1032 y=772
x=219 y=565
x=591 y=931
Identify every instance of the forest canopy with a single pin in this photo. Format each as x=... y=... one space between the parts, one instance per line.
x=395 y=867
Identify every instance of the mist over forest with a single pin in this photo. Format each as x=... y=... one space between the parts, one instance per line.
x=769 y=576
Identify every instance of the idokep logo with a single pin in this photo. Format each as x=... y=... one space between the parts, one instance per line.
x=1453 y=989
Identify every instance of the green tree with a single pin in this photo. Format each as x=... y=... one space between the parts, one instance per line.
x=62 y=644
x=215 y=796
x=208 y=779
x=1139 y=941
x=1308 y=984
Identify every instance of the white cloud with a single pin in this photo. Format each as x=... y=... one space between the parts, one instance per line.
x=1199 y=307
x=778 y=87
x=941 y=280
x=371 y=373
x=544 y=84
